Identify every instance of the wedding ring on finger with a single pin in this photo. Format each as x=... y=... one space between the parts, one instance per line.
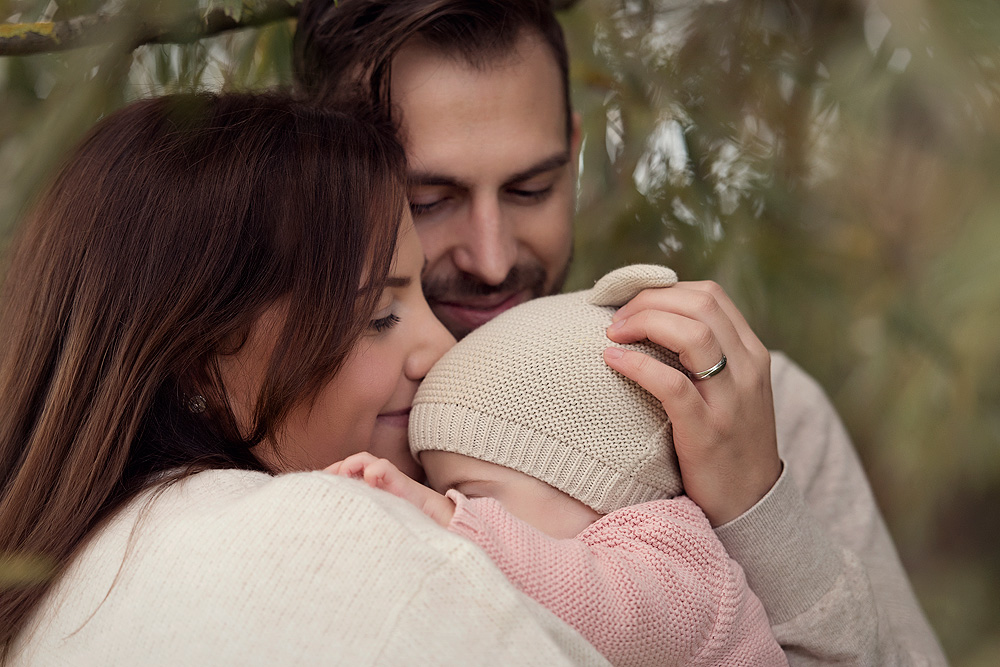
x=714 y=370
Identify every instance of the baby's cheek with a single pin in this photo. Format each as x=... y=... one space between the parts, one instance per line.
x=557 y=515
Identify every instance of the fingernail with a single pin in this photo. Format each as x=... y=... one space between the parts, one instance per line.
x=618 y=324
x=613 y=353
x=617 y=316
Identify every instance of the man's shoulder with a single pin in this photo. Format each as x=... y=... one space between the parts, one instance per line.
x=812 y=440
x=793 y=388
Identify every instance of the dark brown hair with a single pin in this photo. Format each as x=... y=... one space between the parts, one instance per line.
x=346 y=47
x=168 y=231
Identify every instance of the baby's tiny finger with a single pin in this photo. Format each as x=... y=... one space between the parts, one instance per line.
x=374 y=475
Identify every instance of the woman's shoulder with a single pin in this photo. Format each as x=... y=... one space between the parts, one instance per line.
x=228 y=567
x=285 y=561
x=220 y=501
x=211 y=525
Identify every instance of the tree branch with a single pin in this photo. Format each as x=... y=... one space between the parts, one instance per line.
x=23 y=39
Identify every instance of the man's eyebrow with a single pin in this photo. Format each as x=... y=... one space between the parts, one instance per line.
x=548 y=164
x=430 y=178
x=416 y=178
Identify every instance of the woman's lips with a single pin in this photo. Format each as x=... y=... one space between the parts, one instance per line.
x=474 y=312
x=396 y=418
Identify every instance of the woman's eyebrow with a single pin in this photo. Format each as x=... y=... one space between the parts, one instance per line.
x=397 y=281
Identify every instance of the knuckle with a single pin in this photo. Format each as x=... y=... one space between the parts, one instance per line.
x=713 y=288
x=374 y=473
x=763 y=356
x=640 y=362
x=706 y=302
x=702 y=336
x=719 y=430
x=648 y=298
x=636 y=303
x=760 y=367
x=647 y=294
x=674 y=383
x=638 y=321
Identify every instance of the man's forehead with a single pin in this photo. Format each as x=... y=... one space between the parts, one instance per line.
x=420 y=67
x=457 y=121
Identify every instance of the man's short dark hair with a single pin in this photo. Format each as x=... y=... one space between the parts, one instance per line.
x=344 y=49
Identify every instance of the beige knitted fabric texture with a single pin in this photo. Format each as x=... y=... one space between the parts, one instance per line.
x=530 y=391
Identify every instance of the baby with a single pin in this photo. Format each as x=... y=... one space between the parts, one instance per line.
x=564 y=472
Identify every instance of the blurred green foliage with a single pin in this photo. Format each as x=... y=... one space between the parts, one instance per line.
x=830 y=162
x=20 y=570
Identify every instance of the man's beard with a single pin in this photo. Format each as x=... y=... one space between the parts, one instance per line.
x=464 y=287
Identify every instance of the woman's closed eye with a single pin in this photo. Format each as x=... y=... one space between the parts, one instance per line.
x=417 y=209
x=383 y=323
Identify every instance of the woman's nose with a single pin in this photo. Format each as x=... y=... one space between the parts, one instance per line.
x=433 y=340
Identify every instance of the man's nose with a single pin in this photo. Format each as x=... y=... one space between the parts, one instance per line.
x=487 y=247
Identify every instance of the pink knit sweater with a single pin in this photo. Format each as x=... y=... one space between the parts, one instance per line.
x=646 y=585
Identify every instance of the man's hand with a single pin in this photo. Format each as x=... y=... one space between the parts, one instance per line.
x=382 y=474
x=724 y=431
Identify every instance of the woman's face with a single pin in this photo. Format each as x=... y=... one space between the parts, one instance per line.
x=365 y=406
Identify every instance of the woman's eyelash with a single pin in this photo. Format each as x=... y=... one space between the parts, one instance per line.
x=420 y=209
x=383 y=323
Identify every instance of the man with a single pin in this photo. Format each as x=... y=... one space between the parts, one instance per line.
x=479 y=92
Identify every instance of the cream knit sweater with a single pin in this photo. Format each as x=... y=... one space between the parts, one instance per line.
x=237 y=568
x=816 y=551
x=240 y=568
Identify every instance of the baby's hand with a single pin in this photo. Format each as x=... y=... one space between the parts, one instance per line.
x=382 y=474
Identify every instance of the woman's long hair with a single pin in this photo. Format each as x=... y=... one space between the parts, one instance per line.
x=169 y=230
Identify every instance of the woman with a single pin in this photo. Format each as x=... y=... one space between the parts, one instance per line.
x=209 y=294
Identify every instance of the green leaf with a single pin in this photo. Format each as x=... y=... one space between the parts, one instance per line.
x=232 y=8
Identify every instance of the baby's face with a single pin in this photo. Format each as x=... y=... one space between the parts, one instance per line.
x=530 y=500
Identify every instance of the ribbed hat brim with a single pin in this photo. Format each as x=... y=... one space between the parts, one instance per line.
x=462 y=430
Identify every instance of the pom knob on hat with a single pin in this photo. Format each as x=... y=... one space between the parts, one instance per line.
x=621 y=285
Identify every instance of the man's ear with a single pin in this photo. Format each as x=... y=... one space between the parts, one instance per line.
x=575 y=137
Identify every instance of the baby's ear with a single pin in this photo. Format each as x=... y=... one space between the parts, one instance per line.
x=618 y=287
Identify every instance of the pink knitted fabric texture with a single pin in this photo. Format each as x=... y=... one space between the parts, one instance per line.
x=647 y=584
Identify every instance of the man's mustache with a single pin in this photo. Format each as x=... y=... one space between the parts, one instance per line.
x=464 y=285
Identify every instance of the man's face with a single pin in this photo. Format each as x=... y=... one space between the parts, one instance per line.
x=492 y=177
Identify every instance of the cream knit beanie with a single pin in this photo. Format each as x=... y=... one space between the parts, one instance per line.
x=530 y=391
